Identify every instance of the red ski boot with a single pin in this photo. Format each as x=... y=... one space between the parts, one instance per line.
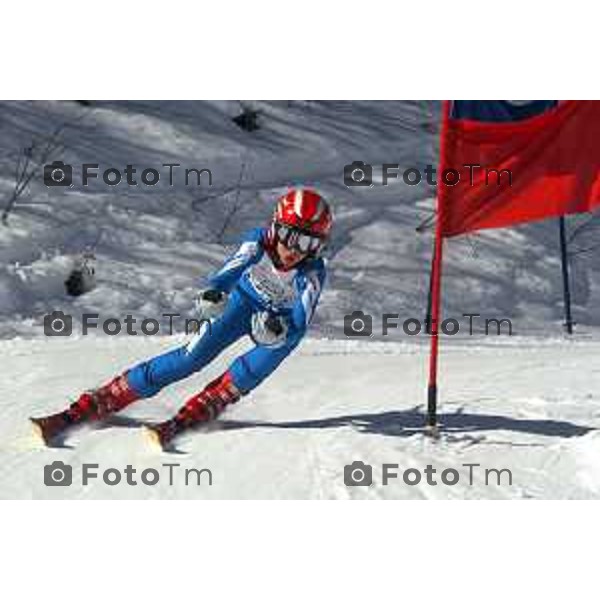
x=94 y=405
x=201 y=408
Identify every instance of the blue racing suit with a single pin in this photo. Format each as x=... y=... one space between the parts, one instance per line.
x=254 y=285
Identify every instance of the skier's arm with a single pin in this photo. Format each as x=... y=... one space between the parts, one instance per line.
x=306 y=304
x=248 y=253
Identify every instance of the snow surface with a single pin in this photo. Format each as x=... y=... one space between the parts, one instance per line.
x=519 y=407
x=528 y=403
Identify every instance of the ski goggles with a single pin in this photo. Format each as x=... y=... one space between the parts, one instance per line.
x=298 y=239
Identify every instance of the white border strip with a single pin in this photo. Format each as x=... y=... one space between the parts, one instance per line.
x=274 y=50
x=298 y=550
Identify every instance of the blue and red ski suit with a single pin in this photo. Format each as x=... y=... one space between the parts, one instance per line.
x=253 y=284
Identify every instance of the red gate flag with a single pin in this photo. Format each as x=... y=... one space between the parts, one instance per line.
x=535 y=160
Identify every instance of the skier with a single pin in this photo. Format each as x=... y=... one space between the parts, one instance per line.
x=268 y=289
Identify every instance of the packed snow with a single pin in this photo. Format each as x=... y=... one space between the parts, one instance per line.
x=527 y=402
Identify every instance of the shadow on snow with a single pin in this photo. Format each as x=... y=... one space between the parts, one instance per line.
x=406 y=423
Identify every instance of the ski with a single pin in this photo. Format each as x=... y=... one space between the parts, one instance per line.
x=49 y=429
x=152 y=436
x=161 y=435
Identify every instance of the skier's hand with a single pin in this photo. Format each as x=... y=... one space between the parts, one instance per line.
x=269 y=329
x=275 y=325
x=210 y=304
x=214 y=296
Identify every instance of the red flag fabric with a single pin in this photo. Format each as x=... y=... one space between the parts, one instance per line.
x=544 y=166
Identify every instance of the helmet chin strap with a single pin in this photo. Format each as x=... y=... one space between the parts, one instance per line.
x=276 y=258
x=271 y=248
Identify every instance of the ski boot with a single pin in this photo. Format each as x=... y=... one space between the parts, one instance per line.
x=93 y=405
x=201 y=408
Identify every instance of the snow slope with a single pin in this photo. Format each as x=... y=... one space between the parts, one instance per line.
x=527 y=403
x=154 y=244
x=523 y=407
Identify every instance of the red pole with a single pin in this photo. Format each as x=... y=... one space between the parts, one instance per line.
x=436 y=276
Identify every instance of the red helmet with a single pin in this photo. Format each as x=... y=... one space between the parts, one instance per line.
x=302 y=220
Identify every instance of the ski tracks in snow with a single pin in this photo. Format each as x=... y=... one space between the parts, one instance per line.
x=331 y=404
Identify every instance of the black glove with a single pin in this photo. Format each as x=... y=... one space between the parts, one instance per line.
x=274 y=325
x=210 y=304
x=212 y=296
